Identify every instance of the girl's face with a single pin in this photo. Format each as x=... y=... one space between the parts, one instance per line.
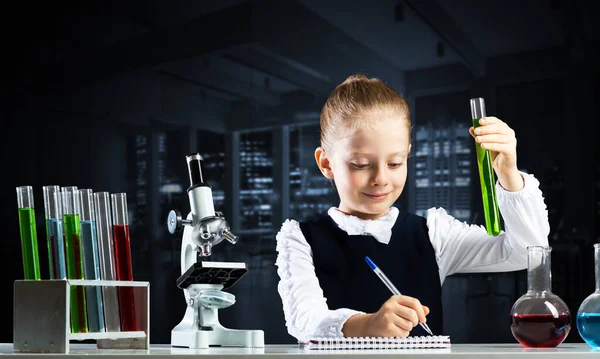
x=369 y=166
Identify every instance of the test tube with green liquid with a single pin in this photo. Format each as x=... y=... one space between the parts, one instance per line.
x=486 y=174
x=28 y=231
x=74 y=256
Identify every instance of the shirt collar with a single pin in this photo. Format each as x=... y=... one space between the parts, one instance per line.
x=380 y=228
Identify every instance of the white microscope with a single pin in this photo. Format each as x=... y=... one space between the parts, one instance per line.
x=202 y=281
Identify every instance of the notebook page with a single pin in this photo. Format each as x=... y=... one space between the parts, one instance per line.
x=437 y=341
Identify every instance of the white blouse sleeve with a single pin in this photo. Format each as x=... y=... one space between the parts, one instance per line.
x=463 y=248
x=305 y=309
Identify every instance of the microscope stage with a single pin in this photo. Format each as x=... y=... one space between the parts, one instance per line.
x=225 y=273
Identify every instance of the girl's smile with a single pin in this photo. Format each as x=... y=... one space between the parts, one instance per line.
x=377 y=196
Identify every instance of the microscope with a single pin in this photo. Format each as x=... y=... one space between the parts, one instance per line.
x=202 y=281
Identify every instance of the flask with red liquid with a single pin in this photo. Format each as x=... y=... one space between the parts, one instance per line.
x=539 y=318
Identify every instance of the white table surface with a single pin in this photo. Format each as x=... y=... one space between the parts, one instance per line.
x=471 y=351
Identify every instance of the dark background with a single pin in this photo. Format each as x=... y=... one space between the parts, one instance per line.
x=111 y=95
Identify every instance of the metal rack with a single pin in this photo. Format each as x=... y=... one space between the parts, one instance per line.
x=41 y=317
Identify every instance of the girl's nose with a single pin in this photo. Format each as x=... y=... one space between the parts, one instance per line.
x=380 y=177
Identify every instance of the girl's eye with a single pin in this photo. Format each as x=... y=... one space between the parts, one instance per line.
x=395 y=165
x=360 y=166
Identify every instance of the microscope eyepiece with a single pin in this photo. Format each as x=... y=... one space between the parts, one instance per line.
x=194 y=163
x=194 y=156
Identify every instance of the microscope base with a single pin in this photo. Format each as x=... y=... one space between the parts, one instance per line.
x=219 y=336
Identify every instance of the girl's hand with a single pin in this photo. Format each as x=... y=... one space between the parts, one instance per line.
x=496 y=136
x=396 y=317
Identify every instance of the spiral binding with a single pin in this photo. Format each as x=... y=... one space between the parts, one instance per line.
x=437 y=341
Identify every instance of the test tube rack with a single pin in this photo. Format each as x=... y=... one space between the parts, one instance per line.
x=41 y=317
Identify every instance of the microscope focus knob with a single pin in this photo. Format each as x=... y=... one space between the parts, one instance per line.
x=175 y=222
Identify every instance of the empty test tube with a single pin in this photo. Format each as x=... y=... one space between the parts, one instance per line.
x=112 y=317
x=91 y=261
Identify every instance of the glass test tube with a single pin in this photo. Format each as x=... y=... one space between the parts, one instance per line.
x=72 y=233
x=54 y=232
x=112 y=318
x=91 y=261
x=28 y=231
x=486 y=174
x=123 y=260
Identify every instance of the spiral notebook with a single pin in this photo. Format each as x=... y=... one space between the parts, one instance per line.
x=422 y=342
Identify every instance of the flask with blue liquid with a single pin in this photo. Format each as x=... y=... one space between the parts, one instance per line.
x=588 y=316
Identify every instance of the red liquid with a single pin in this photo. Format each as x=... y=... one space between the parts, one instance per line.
x=540 y=330
x=124 y=272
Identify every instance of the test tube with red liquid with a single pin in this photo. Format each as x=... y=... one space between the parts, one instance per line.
x=124 y=268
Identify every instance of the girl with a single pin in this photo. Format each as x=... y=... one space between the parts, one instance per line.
x=327 y=288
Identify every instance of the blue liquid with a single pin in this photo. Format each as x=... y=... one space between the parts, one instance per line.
x=56 y=248
x=588 y=325
x=91 y=266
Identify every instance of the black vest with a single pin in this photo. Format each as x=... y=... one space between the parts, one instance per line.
x=408 y=260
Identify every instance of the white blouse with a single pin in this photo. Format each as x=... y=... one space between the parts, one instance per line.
x=459 y=248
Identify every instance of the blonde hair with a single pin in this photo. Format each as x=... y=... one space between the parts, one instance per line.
x=351 y=99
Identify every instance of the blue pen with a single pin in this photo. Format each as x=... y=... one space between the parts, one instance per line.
x=391 y=287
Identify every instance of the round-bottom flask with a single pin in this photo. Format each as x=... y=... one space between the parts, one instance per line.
x=588 y=315
x=539 y=318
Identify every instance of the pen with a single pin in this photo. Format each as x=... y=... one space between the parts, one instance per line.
x=391 y=287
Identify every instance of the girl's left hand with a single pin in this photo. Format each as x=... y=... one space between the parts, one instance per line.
x=496 y=136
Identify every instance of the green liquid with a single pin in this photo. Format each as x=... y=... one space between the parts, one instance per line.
x=74 y=259
x=29 y=245
x=488 y=188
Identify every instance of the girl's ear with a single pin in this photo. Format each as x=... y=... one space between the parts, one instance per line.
x=323 y=163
